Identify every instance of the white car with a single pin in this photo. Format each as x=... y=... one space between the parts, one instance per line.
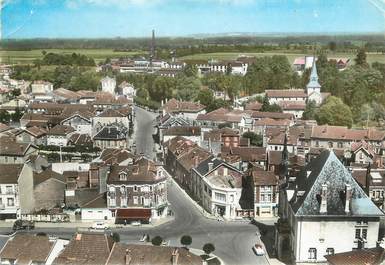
x=136 y=223
x=258 y=249
x=99 y=226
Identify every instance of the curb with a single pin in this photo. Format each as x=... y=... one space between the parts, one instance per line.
x=201 y=252
x=202 y=211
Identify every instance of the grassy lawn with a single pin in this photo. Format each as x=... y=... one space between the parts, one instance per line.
x=371 y=57
x=29 y=56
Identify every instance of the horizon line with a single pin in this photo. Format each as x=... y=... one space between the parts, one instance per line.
x=213 y=35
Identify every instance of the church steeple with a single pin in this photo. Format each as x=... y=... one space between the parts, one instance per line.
x=313 y=81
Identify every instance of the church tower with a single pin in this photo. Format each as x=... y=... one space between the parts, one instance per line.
x=313 y=88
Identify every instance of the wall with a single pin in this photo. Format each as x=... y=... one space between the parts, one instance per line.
x=25 y=181
x=49 y=194
x=339 y=235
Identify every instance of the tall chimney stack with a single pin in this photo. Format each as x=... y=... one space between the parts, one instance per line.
x=324 y=198
x=348 y=197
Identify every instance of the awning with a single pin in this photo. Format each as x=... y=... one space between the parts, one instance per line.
x=133 y=214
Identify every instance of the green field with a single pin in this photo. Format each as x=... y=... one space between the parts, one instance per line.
x=102 y=54
x=29 y=56
x=371 y=57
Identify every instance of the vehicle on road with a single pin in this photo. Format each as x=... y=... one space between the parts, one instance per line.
x=136 y=223
x=258 y=249
x=99 y=226
x=23 y=225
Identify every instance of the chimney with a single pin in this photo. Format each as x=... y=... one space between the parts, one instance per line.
x=196 y=161
x=127 y=258
x=367 y=180
x=175 y=256
x=348 y=197
x=324 y=198
x=211 y=165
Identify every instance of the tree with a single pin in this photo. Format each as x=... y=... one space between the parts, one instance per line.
x=15 y=93
x=186 y=240
x=161 y=88
x=157 y=241
x=4 y=116
x=255 y=139
x=267 y=107
x=190 y=70
x=205 y=97
x=16 y=116
x=361 y=58
x=208 y=248
x=332 y=46
x=142 y=93
x=310 y=111
x=334 y=112
x=265 y=104
x=115 y=237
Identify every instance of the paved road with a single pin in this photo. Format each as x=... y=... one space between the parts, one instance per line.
x=233 y=240
x=144 y=128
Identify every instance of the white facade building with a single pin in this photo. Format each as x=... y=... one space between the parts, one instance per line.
x=324 y=211
x=108 y=85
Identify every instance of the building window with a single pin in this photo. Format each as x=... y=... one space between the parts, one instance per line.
x=312 y=253
x=330 y=144
x=364 y=233
x=135 y=188
x=339 y=144
x=123 y=176
x=358 y=233
x=330 y=251
x=10 y=202
x=317 y=143
x=135 y=198
x=220 y=196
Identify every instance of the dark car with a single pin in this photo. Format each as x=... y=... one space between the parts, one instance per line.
x=23 y=225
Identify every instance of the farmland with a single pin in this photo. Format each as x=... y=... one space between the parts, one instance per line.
x=371 y=57
x=29 y=56
x=25 y=57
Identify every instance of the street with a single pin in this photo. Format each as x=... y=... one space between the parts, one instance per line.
x=233 y=240
x=143 y=132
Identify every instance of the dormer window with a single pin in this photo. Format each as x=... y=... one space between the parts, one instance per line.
x=122 y=176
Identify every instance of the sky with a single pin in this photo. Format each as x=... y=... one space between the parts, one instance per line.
x=136 y=18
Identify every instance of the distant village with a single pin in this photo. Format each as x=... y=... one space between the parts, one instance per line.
x=73 y=157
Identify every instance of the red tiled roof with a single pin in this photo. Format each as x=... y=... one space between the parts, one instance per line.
x=286 y=93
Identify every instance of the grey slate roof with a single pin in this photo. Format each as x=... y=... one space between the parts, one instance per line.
x=203 y=168
x=111 y=133
x=313 y=82
x=328 y=169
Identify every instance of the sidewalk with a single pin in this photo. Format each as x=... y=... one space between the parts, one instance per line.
x=201 y=252
x=83 y=225
x=201 y=210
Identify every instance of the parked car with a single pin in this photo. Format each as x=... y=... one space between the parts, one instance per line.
x=136 y=223
x=99 y=226
x=23 y=225
x=258 y=249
